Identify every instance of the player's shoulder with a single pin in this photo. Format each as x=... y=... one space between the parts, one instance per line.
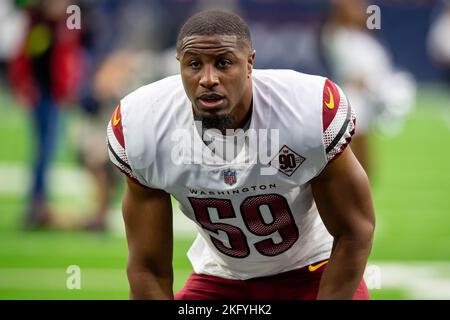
x=147 y=105
x=286 y=78
x=151 y=93
x=133 y=123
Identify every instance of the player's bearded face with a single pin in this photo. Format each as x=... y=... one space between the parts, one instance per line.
x=216 y=73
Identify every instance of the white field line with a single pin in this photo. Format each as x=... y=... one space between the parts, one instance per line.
x=54 y=278
x=15 y=179
x=419 y=280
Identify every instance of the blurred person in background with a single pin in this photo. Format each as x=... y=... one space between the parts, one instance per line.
x=380 y=95
x=45 y=74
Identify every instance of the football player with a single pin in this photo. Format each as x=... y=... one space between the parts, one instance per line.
x=302 y=230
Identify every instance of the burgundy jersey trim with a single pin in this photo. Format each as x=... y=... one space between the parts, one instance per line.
x=116 y=124
x=330 y=104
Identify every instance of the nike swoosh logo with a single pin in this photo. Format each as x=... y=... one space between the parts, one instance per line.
x=115 y=120
x=317 y=266
x=330 y=105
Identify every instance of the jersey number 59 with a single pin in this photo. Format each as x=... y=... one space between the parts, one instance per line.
x=282 y=221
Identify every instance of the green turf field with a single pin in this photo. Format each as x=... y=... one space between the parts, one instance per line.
x=411 y=193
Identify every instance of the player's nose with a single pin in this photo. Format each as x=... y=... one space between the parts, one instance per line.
x=209 y=77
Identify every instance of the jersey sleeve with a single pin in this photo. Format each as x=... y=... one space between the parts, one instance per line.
x=116 y=145
x=338 y=121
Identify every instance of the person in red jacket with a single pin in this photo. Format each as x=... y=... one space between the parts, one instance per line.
x=44 y=75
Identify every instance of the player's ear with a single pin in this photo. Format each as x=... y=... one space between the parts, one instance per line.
x=250 y=60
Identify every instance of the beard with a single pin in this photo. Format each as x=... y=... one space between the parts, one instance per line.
x=221 y=123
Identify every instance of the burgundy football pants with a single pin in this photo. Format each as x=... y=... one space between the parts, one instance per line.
x=300 y=284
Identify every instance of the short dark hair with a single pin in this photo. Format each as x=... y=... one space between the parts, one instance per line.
x=215 y=22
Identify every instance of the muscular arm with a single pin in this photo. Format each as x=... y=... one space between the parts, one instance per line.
x=148 y=223
x=343 y=198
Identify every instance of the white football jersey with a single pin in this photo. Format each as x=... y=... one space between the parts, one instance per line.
x=255 y=212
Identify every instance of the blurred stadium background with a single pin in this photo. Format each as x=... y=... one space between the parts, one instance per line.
x=410 y=179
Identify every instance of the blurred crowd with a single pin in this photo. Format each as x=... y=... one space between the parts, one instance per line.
x=123 y=44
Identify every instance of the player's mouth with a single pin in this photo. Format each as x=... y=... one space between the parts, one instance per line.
x=211 y=100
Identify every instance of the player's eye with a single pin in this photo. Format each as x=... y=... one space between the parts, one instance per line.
x=195 y=65
x=223 y=63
